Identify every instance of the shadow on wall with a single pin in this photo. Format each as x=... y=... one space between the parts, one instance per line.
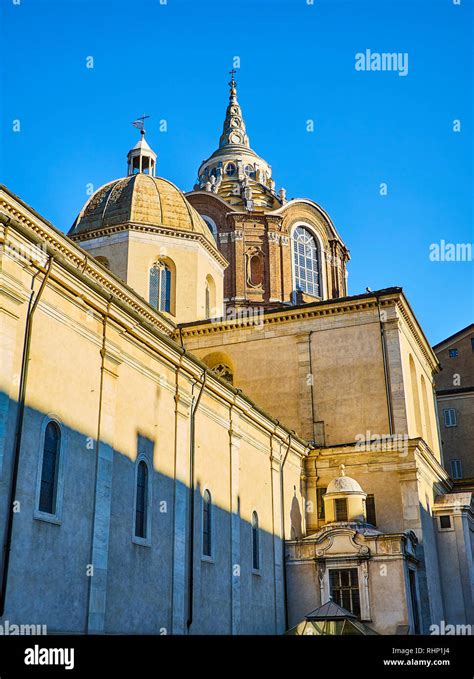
x=104 y=552
x=296 y=519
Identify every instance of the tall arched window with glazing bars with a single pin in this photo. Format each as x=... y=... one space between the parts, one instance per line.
x=49 y=469
x=160 y=287
x=306 y=262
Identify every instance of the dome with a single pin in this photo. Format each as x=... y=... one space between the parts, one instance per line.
x=343 y=484
x=141 y=199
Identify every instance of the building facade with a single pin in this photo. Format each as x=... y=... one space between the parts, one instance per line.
x=455 y=396
x=201 y=432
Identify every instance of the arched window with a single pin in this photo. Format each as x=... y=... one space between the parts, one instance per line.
x=230 y=169
x=211 y=224
x=210 y=297
x=49 y=469
x=223 y=370
x=306 y=262
x=160 y=287
x=141 y=502
x=207 y=524
x=255 y=543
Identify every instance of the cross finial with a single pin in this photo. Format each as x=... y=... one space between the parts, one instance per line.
x=232 y=79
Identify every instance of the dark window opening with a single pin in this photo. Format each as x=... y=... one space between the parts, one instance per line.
x=49 y=470
x=141 y=502
x=207 y=524
x=414 y=601
x=370 y=509
x=255 y=543
x=445 y=521
x=320 y=502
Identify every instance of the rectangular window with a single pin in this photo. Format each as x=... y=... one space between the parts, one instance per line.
x=456 y=469
x=340 y=509
x=450 y=419
x=319 y=495
x=370 y=509
x=472 y=343
x=453 y=353
x=345 y=589
x=445 y=522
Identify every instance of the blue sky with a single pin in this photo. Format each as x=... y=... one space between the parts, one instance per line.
x=297 y=63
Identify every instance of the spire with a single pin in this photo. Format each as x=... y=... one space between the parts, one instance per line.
x=141 y=158
x=234 y=126
x=234 y=171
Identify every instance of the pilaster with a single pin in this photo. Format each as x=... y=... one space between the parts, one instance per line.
x=181 y=481
x=103 y=492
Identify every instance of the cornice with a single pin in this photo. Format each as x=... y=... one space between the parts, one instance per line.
x=287 y=315
x=409 y=317
x=158 y=230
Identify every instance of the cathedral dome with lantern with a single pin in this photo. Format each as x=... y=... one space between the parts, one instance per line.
x=139 y=198
x=144 y=229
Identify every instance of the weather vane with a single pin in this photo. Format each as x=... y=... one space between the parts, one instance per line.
x=139 y=123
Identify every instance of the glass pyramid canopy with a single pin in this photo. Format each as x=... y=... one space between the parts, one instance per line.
x=330 y=619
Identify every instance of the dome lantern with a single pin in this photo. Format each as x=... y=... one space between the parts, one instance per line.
x=141 y=158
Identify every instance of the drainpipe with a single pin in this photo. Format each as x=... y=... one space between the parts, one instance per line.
x=282 y=493
x=32 y=306
x=96 y=471
x=194 y=407
x=388 y=390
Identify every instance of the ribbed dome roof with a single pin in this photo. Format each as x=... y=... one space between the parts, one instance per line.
x=141 y=199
